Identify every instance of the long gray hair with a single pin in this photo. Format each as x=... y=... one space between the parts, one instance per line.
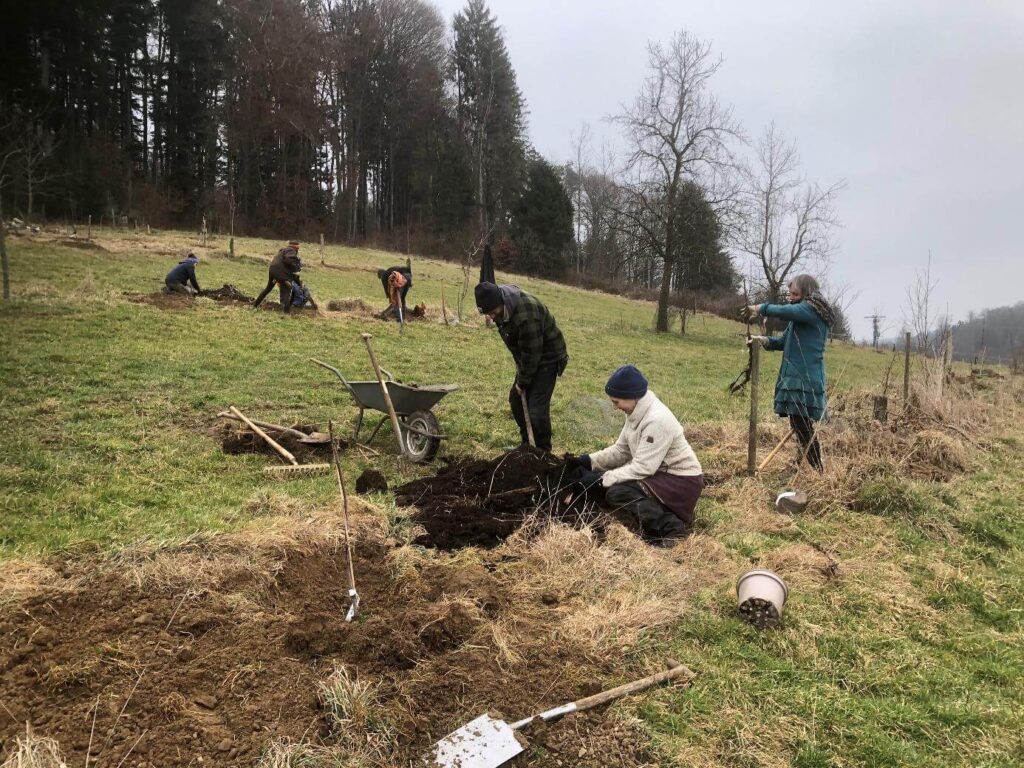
x=807 y=285
x=811 y=293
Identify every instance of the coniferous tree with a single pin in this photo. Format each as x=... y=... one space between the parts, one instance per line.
x=490 y=112
x=541 y=226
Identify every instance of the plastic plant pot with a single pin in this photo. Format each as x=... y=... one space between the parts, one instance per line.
x=762 y=596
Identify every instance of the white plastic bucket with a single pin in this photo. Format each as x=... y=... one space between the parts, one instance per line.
x=762 y=596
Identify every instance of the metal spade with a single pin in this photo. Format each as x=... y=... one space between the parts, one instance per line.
x=488 y=741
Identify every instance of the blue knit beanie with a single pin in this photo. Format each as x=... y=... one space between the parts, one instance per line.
x=627 y=383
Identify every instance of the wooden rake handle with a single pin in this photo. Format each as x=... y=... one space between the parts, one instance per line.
x=270 y=441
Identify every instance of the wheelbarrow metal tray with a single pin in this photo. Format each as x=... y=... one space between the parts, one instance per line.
x=406 y=399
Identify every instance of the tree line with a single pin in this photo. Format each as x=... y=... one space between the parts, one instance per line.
x=379 y=121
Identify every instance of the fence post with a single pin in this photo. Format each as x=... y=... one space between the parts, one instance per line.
x=755 y=373
x=906 y=368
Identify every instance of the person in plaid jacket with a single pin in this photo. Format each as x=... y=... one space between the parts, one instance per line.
x=532 y=336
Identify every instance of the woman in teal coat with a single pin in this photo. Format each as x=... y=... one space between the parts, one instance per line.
x=800 y=388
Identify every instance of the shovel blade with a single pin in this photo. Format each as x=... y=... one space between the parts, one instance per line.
x=486 y=742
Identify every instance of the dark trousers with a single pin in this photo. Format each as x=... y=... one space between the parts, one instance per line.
x=180 y=288
x=286 y=293
x=656 y=521
x=805 y=426
x=538 y=402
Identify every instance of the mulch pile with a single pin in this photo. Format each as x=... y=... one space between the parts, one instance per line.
x=478 y=502
x=170 y=674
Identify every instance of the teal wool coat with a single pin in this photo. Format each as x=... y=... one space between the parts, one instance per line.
x=800 y=388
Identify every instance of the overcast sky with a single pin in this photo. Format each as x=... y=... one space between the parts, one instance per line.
x=917 y=104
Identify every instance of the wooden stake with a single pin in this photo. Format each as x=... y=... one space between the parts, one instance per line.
x=755 y=372
x=322 y=262
x=444 y=311
x=906 y=369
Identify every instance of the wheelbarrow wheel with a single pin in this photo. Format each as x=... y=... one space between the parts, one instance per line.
x=420 y=448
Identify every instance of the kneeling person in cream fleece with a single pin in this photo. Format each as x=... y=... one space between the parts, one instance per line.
x=651 y=469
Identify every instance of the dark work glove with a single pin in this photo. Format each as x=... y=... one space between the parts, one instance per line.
x=584 y=461
x=590 y=478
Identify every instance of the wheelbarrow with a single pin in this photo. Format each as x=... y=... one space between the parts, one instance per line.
x=421 y=433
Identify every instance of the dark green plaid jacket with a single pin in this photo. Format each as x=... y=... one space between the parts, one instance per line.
x=532 y=336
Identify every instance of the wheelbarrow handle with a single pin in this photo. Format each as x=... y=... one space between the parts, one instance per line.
x=337 y=373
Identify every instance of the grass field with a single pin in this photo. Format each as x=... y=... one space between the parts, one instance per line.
x=903 y=642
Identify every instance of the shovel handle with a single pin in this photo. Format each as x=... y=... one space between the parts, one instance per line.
x=775 y=450
x=526 y=417
x=635 y=687
x=604 y=697
x=387 y=395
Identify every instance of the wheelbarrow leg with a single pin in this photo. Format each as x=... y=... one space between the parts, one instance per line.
x=359 y=426
x=376 y=430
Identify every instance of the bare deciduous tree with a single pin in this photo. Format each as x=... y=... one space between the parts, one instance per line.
x=786 y=223
x=678 y=133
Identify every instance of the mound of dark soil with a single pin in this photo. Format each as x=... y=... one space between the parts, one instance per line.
x=371 y=481
x=227 y=292
x=169 y=675
x=85 y=245
x=477 y=502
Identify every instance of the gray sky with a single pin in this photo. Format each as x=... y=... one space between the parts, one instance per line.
x=917 y=104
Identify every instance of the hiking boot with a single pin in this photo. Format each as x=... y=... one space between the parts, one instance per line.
x=666 y=542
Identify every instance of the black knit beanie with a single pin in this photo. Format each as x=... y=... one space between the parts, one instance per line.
x=488 y=297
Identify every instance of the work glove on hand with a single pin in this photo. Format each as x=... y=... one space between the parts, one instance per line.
x=582 y=461
x=590 y=478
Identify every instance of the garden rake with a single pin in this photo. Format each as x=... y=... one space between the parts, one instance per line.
x=353 y=595
x=290 y=469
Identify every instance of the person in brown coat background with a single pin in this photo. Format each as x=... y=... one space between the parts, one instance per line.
x=284 y=269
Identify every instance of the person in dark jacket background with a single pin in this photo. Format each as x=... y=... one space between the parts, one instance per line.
x=800 y=387
x=283 y=271
x=538 y=348
x=182 y=278
x=403 y=284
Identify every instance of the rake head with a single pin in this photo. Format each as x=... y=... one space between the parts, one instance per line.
x=293 y=470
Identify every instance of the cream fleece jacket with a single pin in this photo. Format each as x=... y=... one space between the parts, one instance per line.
x=651 y=441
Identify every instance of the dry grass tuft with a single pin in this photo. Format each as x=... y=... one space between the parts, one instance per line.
x=269 y=503
x=21 y=579
x=938 y=455
x=173 y=705
x=31 y=751
x=347 y=701
x=285 y=754
x=612 y=593
x=805 y=567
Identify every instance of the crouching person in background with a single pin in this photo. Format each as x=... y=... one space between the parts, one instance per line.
x=182 y=278
x=651 y=470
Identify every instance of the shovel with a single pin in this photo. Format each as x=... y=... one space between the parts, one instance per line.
x=489 y=741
